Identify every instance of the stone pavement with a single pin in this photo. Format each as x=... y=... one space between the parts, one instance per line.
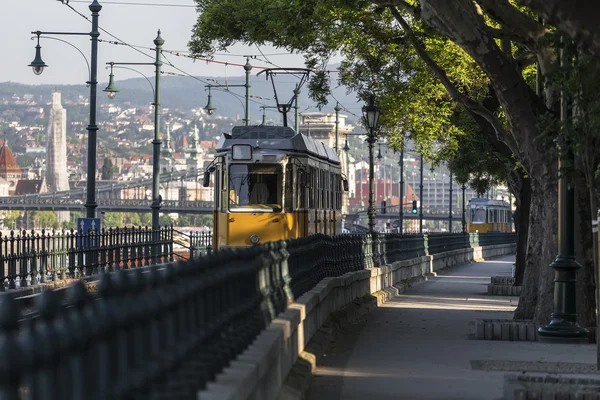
x=420 y=345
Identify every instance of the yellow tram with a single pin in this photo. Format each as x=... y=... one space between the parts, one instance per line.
x=271 y=183
x=485 y=215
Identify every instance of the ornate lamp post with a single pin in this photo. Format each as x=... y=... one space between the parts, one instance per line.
x=38 y=66
x=337 y=124
x=111 y=91
x=564 y=318
x=464 y=220
x=371 y=121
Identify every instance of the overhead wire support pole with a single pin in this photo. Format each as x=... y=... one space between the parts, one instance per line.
x=296 y=107
x=156 y=141
x=449 y=205
x=421 y=198
x=401 y=193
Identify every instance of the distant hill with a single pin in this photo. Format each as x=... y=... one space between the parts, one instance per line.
x=185 y=93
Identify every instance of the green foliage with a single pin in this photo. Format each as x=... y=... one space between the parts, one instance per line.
x=379 y=60
x=113 y=219
x=166 y=220
x=10 y=218
x=44 y=219
x=25 y=160
x=108 y=169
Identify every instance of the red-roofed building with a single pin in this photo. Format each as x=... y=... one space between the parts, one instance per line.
x=9 y=169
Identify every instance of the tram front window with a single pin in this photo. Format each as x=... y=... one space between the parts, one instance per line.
x=478 y=216
x=255 y=187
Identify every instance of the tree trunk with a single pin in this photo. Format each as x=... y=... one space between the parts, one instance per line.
x=522 y=227
x=584 y=248
x=536 y=300
x=459 y=21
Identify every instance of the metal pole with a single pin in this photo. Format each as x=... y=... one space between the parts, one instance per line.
x=464 y=221
x=247 y=68
x=371 y=210
x=564 y=318
x=92 y=128
x=156 y=199
x=509 y=210
x=337 y=124
x=421 y=198
x=296 y=122
x=401 y=214
x=449 y=204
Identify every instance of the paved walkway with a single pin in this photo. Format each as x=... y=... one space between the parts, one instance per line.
x=421 y=345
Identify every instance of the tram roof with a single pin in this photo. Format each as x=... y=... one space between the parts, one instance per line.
x=484 y=201
x=281 y=138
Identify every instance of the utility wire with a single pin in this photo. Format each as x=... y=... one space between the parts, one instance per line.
x=137 y=3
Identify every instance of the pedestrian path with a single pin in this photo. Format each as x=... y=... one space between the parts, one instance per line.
x=421 y=344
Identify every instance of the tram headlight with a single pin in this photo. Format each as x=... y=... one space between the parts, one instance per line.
x=255 y=239
x=241 y=152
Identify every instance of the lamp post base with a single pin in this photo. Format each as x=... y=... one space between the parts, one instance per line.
x=560 y=328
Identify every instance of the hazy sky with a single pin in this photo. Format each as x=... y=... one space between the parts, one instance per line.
x=133 y=24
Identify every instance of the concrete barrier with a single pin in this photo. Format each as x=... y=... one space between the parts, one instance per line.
x=297 y=337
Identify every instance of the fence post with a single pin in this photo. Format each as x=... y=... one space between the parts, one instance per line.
x=3 y=261
x=11 y=362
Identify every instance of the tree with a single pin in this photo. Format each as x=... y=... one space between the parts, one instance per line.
x=423 y=59
x=45 y=219
x=108 y=170
x=113 y=219
x=578 y=19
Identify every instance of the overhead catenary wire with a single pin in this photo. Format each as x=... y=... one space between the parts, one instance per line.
x=127 y=3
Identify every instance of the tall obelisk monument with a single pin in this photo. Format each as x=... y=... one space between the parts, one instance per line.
x=57 y=177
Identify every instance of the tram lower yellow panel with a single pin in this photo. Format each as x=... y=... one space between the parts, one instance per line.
x=236 y=229
x=483 y=228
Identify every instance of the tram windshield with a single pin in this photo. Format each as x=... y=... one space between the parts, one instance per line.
x=255 y=187
x=478 y=216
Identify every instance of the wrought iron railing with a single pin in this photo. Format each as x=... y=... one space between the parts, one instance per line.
x=165 y=331
x=29 y=258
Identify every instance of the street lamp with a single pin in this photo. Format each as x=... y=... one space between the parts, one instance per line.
x=38 y=66
x=111 y=91
x=209 y=107
x=371 y=121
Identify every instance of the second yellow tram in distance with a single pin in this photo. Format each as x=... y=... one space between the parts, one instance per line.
x=485 y=215
x=270 y=184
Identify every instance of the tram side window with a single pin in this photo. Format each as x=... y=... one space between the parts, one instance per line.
x=332 y=191
x=313 y=188
x=223 y=189
x=323 y=194
x=301 y=188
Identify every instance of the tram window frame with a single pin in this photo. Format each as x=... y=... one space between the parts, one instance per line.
x=288 y=189
x=312 y=198
x=323 y=187
x=333 y=194
x=224 y=195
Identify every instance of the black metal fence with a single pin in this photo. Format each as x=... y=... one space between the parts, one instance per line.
x=165 y=331
x=29 y=258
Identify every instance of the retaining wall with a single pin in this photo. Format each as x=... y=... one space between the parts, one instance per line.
x=262 y=372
